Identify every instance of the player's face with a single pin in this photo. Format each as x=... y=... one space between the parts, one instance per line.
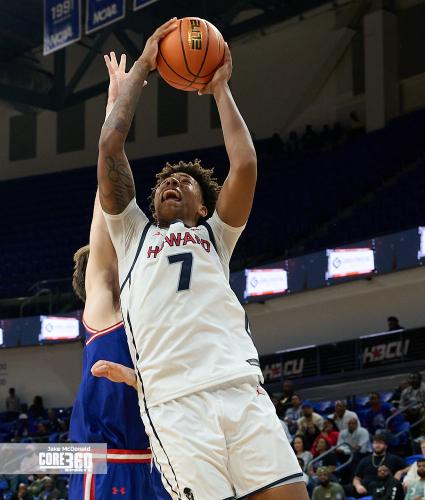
x=179 y=197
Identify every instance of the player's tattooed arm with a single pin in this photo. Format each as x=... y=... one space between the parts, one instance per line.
x=116 y=185
x=236 y=196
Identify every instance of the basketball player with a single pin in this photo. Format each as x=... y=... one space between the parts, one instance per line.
x=105 y=412
x=213 y=430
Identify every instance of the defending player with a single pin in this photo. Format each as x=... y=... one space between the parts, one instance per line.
x=213 y=430
x=105 y=412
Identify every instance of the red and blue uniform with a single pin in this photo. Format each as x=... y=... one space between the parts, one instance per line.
x=108 y=412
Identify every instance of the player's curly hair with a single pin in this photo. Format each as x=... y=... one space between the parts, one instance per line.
x=204 y=177
x=81 y=258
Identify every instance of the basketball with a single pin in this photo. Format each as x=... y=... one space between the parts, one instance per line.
x=189 y=56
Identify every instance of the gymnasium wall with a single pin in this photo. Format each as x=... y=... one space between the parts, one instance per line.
x=339 y=312
x=298 y=72
x=52 y=372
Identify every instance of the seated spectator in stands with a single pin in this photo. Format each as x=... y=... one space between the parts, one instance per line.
x=396 y=396
x=386 y=487
x=294 y=413
x=414 y=398
x=330 y=433
x=326 y=138
x=412 y=470
x=276 y=143
x=393 y=324
x=293 y=144
x=37 y=485
x=416 y=490
x=301 y=452
x=377 y=414
x=311 y=434
x=49 y=491
x=329 y=460
x=342 y=415
x=53 y=422
x=275 y=401
x=12 y=402
x=37 y=410
x=24 y=428
x=338 y=135
x=327 y=490
x=41 y=434
x=310 y=139
x=367 y=469
x=285 y=398
x=22 y=493
x=309 y=417
x=357 y=437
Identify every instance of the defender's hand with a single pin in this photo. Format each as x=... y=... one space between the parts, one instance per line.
x=221 y=76
x=114 y=372
x=150 y=52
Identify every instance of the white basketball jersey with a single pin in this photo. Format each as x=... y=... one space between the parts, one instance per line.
x=185 y=326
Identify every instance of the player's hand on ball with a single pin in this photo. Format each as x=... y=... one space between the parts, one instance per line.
x=150 y=52
x=114 y=372
x=221 y=76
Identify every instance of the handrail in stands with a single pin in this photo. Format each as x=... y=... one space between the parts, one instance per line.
x=43 y=291
x=340 y=466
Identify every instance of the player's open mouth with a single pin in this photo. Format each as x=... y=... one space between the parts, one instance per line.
x=171 y=194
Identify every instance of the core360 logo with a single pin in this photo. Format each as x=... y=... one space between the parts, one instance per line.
x=383 y=352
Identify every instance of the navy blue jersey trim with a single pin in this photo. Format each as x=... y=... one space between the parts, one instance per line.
x=148 y=415
x=230 y=498
x=139 y=248
x=211 y=234
x=274 y=483
x=247 y=327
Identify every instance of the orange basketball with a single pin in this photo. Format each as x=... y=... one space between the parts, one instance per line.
x=189 y=55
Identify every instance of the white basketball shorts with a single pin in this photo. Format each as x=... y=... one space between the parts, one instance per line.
x=221 y=443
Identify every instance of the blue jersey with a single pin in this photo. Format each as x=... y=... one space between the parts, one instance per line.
x=105 y=411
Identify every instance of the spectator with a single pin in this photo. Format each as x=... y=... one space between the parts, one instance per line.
x=355 y=436
x=338 y=135
x=386 y=487
x=393 y=324
x=298 y=444
x=396 y=396
x=309 y=417
x=326 y=138
x=24 y=428
x=329 y=460
x=357 y=127
x=53 y=423
x=293 y=144
x=36 y=410
x=330 y=433
x=377 y=414
x=342 y=415
x=276 y=143
x=285 y=399
x=417 y=488
x=311 y=434
x=366 y=471
x=411 y=471
x=12 y=402
x=309 y=139
x=49 y=491
x=414 y=398
x=327 y=490
x=294 y=413
x=22 y=493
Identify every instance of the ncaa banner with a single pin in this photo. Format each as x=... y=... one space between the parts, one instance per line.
x=138 y=4
x=62 y=24
x=101 y=13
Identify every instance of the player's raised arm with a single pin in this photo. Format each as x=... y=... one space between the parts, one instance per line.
x=115 y=180
x=235 y=200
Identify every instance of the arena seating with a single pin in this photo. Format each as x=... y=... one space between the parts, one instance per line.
x=46 y=218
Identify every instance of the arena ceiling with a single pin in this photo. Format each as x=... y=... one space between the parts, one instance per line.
x=25 y=81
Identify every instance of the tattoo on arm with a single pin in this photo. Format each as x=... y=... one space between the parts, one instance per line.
x=117 y=187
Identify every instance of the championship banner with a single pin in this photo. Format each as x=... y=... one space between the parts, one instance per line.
x=62 y=24
x=138 y=4
x=101 y=13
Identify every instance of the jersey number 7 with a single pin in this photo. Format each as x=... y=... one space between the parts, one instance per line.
x=186 y=259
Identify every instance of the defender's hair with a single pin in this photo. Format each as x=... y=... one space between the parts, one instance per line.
x=203 y=176
x=81 y=258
